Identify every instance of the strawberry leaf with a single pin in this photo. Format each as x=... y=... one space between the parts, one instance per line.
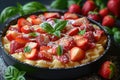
x=112 y=68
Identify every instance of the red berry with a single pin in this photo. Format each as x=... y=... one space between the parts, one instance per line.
x=108 y=21
x=74 y=8
x=104 y=12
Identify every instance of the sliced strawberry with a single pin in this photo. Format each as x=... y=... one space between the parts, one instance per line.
x=44 y=48
x=51 y=15
x=73 y=31
x=80 y=21
x=68 y=44
x=107 y=70
x=19 y=50
x=12 y=35
x=89 y=35
x=77 y=54
x=37 y=28
x=22 y=22
x=53 y=38
x=14 y=45
x=36 y=21
x=14 y=29
x=22 y=39
x=87 y=27
x=32 y=45
x=25 y=29
x=63 y=58
x=77 y=37
x=42 y=40
x=82 y=43
x=32 y=55
x=44 y=56
x=68 y=16
x=98 y=33
x=33 y=16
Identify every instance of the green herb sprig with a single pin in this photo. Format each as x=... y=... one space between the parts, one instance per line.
x=12 y=73
x=59 y=50
x=57 y=28
x=28 y=8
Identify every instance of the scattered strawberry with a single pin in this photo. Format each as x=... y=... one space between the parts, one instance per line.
x=44 y=56
x=74 y=8
x=63 y=58
x=73 y=31
x=88 y=6
x=32 y=55
x=77 y=54
x=12 y=35
x=98 y=33
x=51 y=15
x=107 y=70
x=79 y=22
x=69 y=15
x=108 y=21
x=82 y=43
x=104 y=12
x=114 y=7
x=14 y=45
x=25 y=29
x=95 y=16
x=44 y=48
x=22 y=39
x=22 y=22
x=32 y=45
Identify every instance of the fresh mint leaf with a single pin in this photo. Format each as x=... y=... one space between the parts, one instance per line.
x=60 y=25
x=8 y=12
x=33 y=7
x=12 y=73
x=82 y=32
x=47 y=27
x=59 y=50
x=59 y=4
x=33 y=34
x=27 y=49
x=57 y=33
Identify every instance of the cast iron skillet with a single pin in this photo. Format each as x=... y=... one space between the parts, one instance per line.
x=51 y=74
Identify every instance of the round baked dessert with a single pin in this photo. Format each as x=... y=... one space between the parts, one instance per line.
x=54 y=40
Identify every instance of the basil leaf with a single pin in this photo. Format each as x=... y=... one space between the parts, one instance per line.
x=47 y=27
x=8 y=12
x=82 y=32
x=59 y=50
x=20 y=10
x=59 y=4
x=60 y=25
x=70 y=2
x=12 y=73
x=33 y=34
x=27 y=49
x=57 y=20
x=33 y=7
x=57 y=33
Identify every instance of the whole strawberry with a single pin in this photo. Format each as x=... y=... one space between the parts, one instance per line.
x=74 y=8
x=114 y=7
x=108 y=21
x=103 y=12
x=107 y=70
x=95 y=16
x=88 y=6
